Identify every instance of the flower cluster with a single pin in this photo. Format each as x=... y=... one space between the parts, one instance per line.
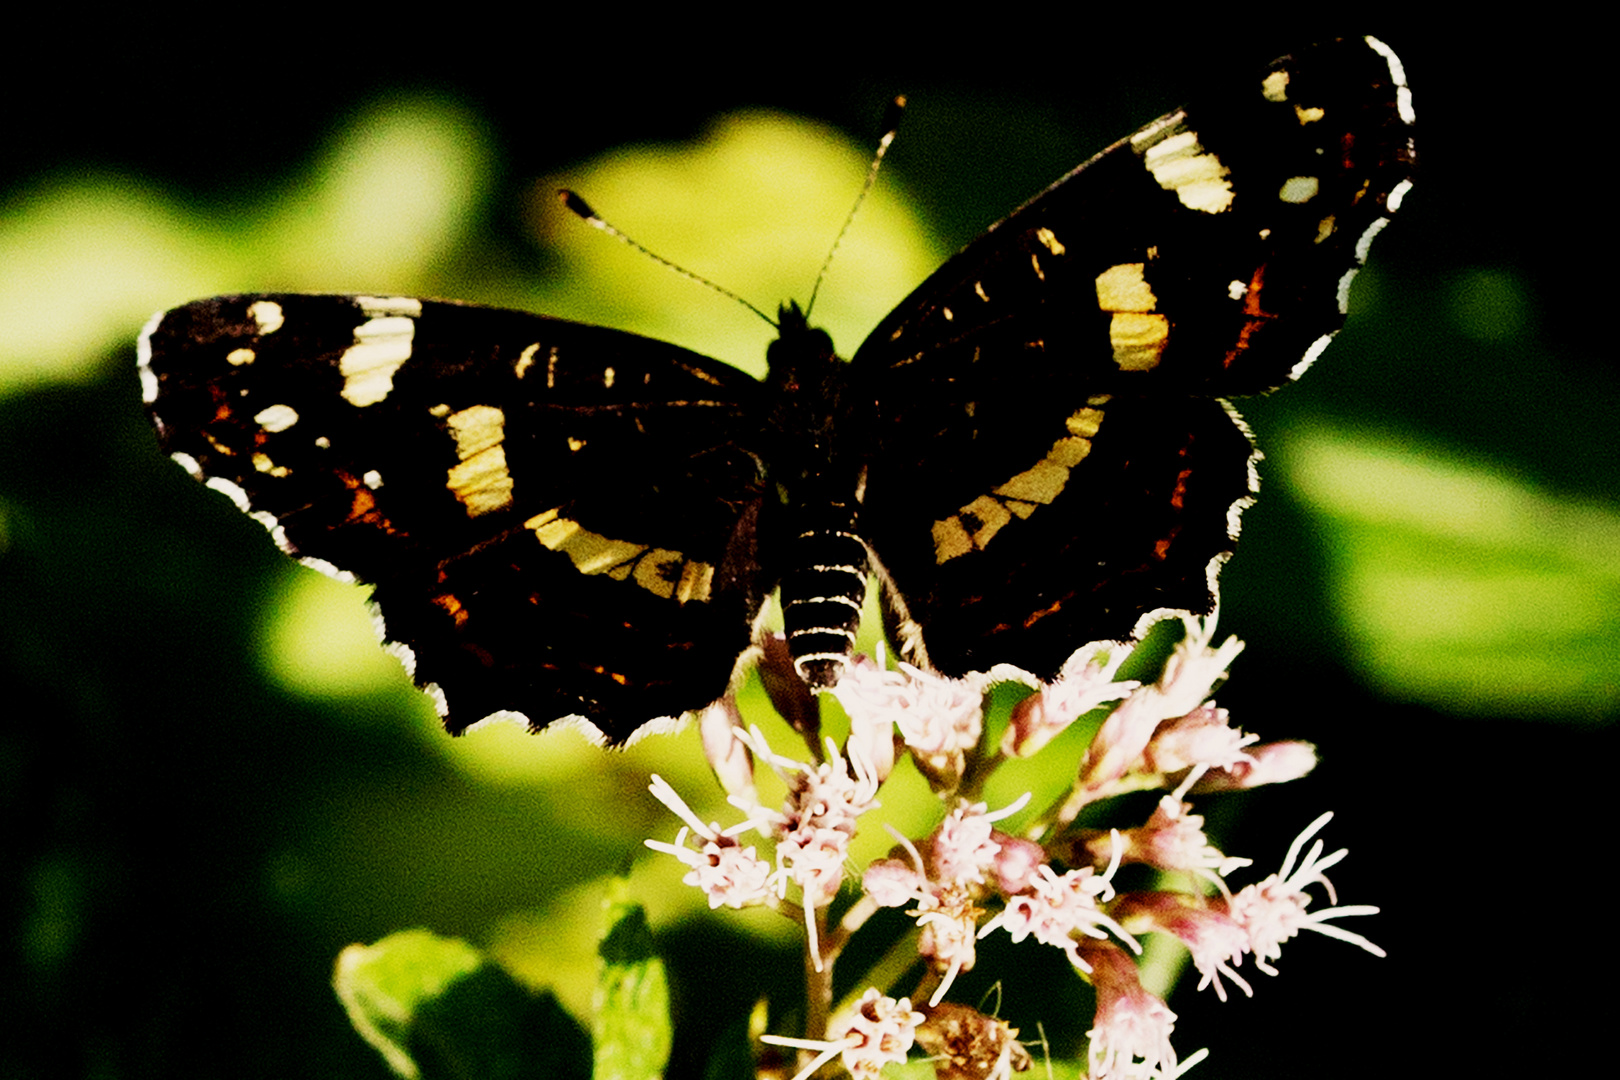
x=1051 y=879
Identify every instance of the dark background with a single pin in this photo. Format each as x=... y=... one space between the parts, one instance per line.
x=188 y=847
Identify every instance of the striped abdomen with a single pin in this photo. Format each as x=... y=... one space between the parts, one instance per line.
x=821 y=599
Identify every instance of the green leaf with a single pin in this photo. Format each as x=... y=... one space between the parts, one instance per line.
x=1462 y=588
x=436 y=1009
x=632 y=1028
x=732 y=1056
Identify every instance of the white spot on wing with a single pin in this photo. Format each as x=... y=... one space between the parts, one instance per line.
x=378 y=306
x=508 y=716
x=267 y=314
x=480 y=480
x=372 y=479
x=1299 y=189
x=525 y=361
x=1180 y=164
x=273 y=527
x=379 y=625
x=188 y=463
x=381 y=345
x=276 y=418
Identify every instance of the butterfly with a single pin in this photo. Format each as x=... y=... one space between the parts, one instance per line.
x=1032 y=452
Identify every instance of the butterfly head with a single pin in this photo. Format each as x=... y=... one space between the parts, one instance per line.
x=798 y=345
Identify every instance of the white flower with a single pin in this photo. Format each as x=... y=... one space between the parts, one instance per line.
x=1203 y=737
x=1193 y=670
x=727 y=873
x=1174 y=839
x=1267 y=763
x=964 y=846
x=1055 y=907
x=1273 y=911
x=1084 y=683
x=1130 y=1039
x=940 y=719
x=814 y=829
x=877 y=1032
x=1216 y=941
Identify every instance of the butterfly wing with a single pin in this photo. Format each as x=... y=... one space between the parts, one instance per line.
x=502 y=478
x=1054 y=463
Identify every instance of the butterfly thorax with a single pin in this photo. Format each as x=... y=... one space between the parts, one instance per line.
x=817 y=438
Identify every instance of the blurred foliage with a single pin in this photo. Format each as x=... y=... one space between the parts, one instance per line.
x=436 y=1009
x=1464 y=589
x=214 y=783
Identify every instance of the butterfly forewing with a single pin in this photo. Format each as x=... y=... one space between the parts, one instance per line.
x=503 y=478
x=1054 y=467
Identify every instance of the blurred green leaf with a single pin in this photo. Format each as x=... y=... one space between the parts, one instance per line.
x=1462 y=588
x=89 y=257
x=436 y=1009
x=753 y=205
x=632 y=1027
x=732 y=1057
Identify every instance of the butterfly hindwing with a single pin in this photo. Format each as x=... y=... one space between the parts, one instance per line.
x=504 y=479
x=1055 y=466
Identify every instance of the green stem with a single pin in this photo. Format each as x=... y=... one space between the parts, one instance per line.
x=817 y=984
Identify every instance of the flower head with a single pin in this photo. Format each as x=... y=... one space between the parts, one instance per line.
x=1203 y=736
x=1173 y=839
x=1057 y=906
x=1273 y=911
x=940 y=719
x=1194 y=669
x=965 y=1044
x=876 y=1032
x=1267 y=763
x=1130 y=1039
x=727 y=873
x=1085 y=682
x=1215 y=940
x=814 y=828
x=965 y=846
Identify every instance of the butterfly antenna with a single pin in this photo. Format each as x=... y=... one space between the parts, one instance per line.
x=891 y=127
x=592 y=218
